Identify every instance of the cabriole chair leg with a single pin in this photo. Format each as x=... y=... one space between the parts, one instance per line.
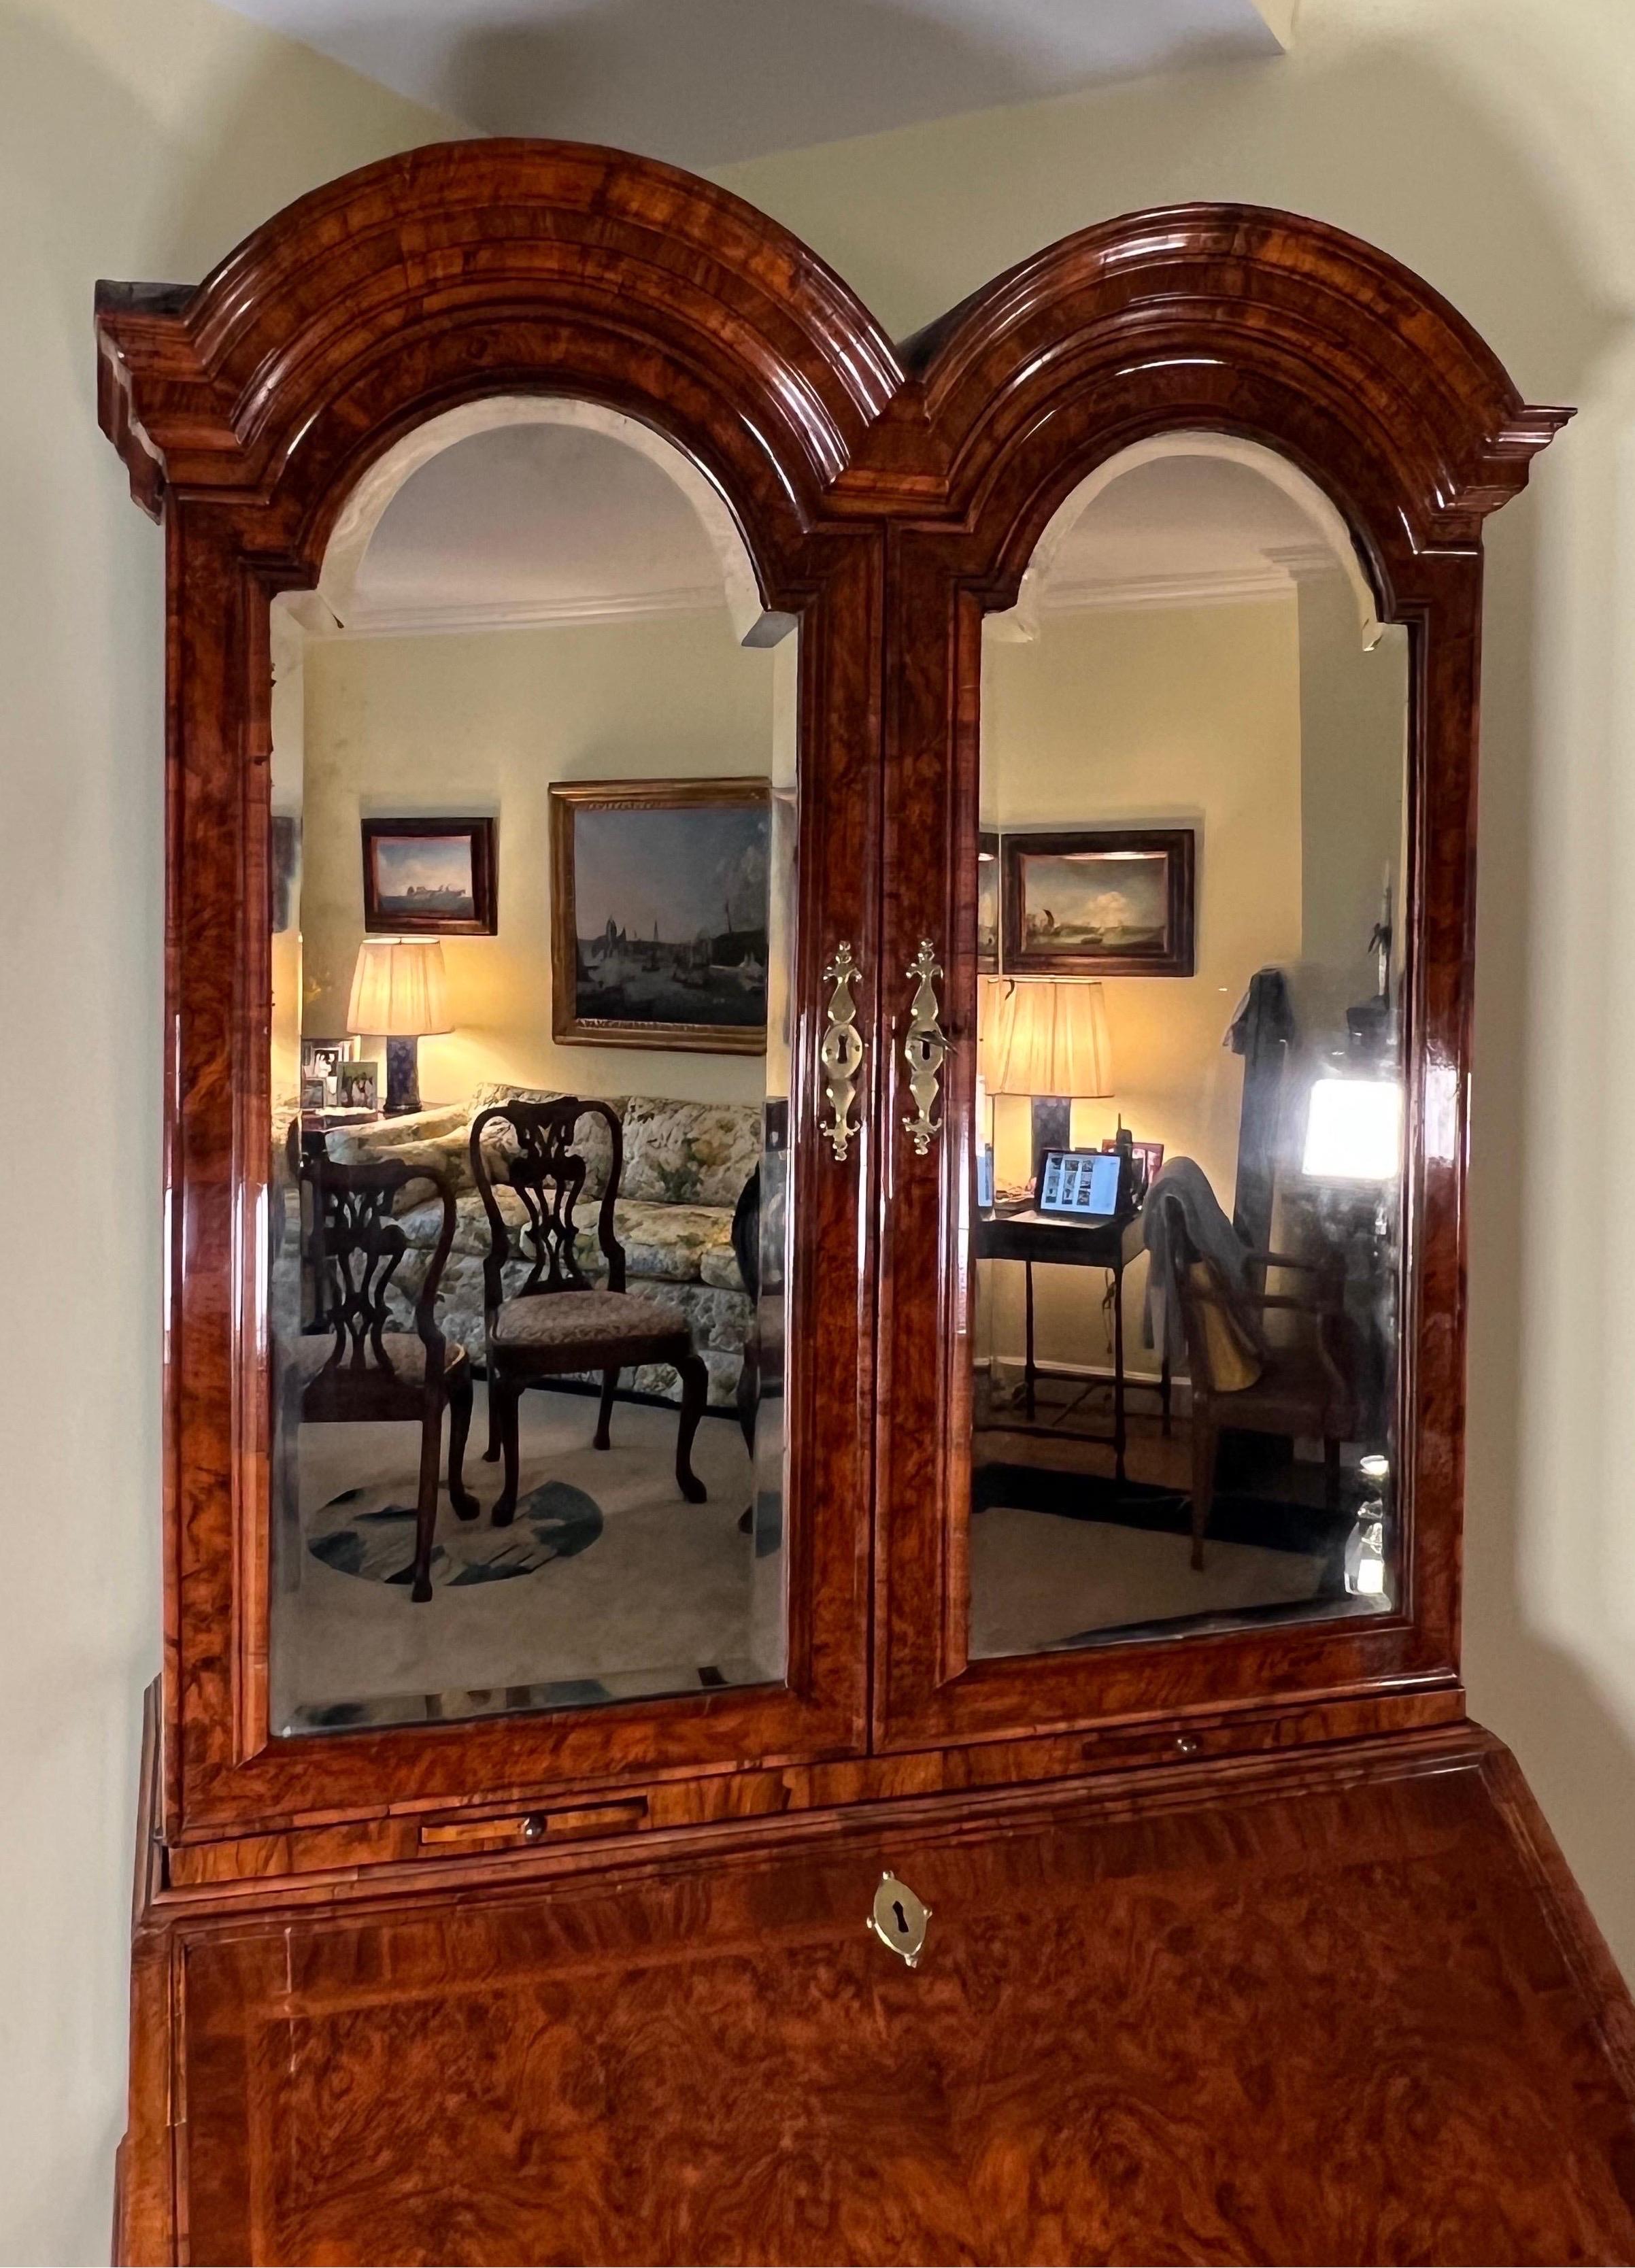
x=425 y=1515
x=609 y=1388
x=695 y=1394
x=508 y=1396
x=460 y=1400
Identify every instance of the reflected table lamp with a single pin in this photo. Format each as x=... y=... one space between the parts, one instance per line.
x=400 y=993
x=1049 y=1042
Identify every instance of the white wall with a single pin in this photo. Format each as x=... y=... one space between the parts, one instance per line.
x=1491 y=144
x=138 y=138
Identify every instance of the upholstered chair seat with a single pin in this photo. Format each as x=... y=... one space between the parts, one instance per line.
x=595 y=1327
x=402 y=1356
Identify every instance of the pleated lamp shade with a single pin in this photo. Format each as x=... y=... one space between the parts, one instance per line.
x=400 y=989
x=1049 y=1038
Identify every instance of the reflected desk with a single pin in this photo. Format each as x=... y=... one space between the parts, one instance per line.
x=1112 y=1245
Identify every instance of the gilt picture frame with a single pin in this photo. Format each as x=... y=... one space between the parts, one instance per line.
x=1099 y=902
x=660 y=913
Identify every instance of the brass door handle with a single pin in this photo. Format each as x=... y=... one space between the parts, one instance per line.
x=924 y=1047
x=840 y=1054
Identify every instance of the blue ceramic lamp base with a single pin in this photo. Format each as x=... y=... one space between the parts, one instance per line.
x=403 y=1076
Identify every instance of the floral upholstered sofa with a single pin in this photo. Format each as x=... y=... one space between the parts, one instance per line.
x=685 y=1165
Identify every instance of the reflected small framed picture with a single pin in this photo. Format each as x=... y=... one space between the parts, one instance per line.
x=321 y=1059
x=358 y=1086
x=283 y=870
x=1099 y=902
x=1146 y=1160
x=431 y=878
x=314 y=1095
x=987 y=904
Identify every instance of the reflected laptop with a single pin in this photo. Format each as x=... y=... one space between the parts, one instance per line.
x=1080 y=1185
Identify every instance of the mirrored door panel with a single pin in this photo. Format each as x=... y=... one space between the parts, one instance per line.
x=1185 y=1232
x=533 y=918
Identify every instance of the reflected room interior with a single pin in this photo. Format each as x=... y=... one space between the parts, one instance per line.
x=1188 y=1103
x=534 y=773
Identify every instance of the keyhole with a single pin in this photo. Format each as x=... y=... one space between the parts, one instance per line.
x=903 y=1919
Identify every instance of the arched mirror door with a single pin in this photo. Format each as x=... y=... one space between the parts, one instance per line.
x=1179 y=810
x=523 y=710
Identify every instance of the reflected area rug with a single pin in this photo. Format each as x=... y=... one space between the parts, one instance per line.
x=377 y=1541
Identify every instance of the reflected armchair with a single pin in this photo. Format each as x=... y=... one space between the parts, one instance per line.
x=1242 y=1381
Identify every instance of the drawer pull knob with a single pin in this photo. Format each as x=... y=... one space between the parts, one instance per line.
x=899 y=1919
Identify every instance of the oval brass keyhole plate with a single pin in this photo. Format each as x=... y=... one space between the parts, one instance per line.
x=899 y=1919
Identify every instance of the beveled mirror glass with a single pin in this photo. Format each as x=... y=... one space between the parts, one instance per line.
x=532 y=908
x=1188 y=1139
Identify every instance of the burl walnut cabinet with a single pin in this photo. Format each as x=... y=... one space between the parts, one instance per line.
x=1244 y=1945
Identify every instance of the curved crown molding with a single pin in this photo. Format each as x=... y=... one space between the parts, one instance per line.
x=476 y=269
x=1157 y=318
x=359 y=305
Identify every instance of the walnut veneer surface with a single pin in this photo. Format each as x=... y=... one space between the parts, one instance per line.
x=1339 y=2007
x=1244 y=1947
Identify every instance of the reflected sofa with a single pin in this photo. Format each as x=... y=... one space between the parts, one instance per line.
x=685 y=1164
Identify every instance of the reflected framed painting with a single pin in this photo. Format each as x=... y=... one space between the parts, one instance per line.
x=987 y=904
x=658 y=914
x=431 y=878
x=1099 y=902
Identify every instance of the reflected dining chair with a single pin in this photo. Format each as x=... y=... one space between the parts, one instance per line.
x=351 y=1368
x=557 y=1323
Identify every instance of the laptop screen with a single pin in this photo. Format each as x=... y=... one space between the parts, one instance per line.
x=1082 y=1182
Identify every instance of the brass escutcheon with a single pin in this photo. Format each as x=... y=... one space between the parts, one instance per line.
x=899 y=1919
x=923 y=1047
x=840 y=1054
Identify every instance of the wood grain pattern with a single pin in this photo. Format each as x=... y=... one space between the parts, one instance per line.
x=391 y=1846
x=247 y=411
x=1243 y=1948
x=1304 y=2013
x=890 y=502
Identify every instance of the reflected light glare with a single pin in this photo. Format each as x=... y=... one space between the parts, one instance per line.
x=1353 y=1131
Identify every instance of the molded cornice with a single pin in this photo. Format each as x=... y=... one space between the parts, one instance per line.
x=470 y=267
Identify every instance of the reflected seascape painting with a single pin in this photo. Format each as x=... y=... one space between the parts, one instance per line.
x=659 y=929
x=430 y=878
x=1099 y=903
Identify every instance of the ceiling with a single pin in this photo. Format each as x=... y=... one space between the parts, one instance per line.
x=534 y=524
x=704 y=83
x=1183 y=527
x=558 y=523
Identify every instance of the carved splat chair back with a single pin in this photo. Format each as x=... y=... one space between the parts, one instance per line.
x=539 y=1163
x=353 y=1245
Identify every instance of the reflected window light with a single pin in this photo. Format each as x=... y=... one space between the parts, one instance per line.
x=1353 y=1131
